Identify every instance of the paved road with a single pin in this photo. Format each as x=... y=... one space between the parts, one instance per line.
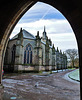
x=40 y=87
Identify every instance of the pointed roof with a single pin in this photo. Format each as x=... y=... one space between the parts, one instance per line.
x=44 y=33
x=37 y=36
x=53 y=46
x=44 y=29
x=20 y=35
x=57 y=49
x=25 y=33
x=60 y=51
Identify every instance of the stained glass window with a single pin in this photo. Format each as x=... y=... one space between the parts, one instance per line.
x=28 y=54
x=31 y=57
x=13 y=53
x=24 y=56
x=28 y=57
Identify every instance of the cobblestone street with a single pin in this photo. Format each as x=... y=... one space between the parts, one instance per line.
x=40 y=87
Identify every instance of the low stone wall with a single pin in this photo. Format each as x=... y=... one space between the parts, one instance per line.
x=8 y=68
x=17 y=68
x=54 y=68
x=29 y=68
x=23 y=68
x=32 y=68
x=40 y=68
x=47 y=68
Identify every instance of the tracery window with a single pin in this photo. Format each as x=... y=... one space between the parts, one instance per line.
x=28 y=54
x=13 y=53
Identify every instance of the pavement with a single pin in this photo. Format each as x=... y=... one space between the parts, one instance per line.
x=40 y=87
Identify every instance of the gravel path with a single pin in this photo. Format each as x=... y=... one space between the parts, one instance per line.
x=40 y=87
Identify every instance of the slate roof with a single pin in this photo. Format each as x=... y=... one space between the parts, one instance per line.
x=26 y=34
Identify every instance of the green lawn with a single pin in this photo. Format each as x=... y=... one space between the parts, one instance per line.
x=74 y=75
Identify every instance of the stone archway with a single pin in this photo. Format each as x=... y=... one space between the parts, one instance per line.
x=12 y=11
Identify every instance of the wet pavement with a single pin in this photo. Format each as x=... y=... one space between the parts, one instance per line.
x=40 y=87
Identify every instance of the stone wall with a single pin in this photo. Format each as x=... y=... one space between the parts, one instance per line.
x=33 y=68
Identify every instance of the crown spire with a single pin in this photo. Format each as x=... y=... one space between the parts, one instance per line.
x=21 y=29
x=44 y=29
x=44 y=33
x=57 y=49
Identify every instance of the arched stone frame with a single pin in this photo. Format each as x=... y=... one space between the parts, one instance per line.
x=28 y=54
x=13 y=52
x=71 y=9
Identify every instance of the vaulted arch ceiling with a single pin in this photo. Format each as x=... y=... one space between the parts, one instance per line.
x=12 y=11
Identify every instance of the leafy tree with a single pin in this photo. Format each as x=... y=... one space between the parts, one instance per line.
x=72 y=55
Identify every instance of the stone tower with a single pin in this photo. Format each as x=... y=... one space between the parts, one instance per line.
x=53 y=56
x=38 y=49
x=44 y=37
x=19 y=48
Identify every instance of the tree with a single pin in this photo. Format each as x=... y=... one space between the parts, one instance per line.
x=72 y=55
x=77 y=62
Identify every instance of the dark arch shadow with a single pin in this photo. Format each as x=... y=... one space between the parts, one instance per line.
x=12 y=11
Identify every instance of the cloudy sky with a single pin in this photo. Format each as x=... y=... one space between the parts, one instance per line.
x=57 y=27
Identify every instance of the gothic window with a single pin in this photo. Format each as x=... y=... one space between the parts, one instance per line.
x=24 y=57
x=28 y=54
x=13 y=53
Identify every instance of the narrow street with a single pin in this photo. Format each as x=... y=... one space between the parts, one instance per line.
x=40 y=87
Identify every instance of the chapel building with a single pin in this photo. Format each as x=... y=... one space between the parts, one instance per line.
x=26 y=52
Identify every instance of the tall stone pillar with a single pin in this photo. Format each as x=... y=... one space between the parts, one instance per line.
x=57 y=59
x=0 y=68
x=53 y=57
x=38 y=55
x=38 y=49
x=19 y=49
x=47 y=54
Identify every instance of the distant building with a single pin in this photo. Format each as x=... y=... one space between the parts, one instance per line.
x=33 y=53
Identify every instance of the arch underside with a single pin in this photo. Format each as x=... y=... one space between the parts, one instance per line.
x=12 y=11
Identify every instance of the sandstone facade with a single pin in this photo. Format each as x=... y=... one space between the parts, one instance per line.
x=28 y=52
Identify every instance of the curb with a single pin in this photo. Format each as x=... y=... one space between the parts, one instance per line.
x=72 y=78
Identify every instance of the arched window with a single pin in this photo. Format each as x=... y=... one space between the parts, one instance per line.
x=28 y=54
x=13 y=53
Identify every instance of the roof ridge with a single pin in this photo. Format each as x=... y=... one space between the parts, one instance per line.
x=26 y=34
